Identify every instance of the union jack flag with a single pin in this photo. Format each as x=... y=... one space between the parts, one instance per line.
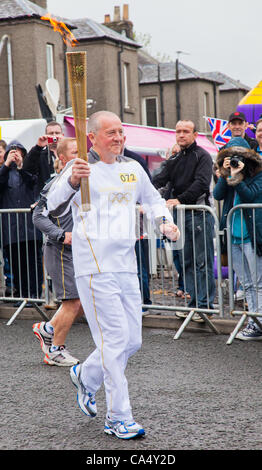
x=220 y=131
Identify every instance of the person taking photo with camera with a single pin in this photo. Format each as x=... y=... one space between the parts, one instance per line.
x=40 y=159
x=21 y=242
x=240 y=181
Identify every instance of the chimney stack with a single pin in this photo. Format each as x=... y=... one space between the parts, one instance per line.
x=40 y=3
x=125 y=12
x=121 y=26
x=107 y=19
x=116 y=14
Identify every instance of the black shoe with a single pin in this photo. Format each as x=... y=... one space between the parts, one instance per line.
x=28 y=305
x=8 y=291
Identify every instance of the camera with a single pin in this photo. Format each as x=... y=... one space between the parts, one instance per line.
x=234 y=161
x=52 y=140
x=13 y=147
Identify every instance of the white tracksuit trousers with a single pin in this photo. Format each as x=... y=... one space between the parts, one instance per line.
x=112 y=305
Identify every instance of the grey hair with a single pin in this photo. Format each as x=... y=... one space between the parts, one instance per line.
x=94 y=121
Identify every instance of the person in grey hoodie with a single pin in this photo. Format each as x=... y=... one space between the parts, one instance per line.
x=59 y=265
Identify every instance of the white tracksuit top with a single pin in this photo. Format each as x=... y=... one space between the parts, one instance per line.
x=103 y=238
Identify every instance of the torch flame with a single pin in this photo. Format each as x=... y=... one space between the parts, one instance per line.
x=67 y=36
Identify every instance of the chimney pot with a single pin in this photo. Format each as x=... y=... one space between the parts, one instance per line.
x=116 y=13
x=107 y=19
x=125 y=12
x=40 y=3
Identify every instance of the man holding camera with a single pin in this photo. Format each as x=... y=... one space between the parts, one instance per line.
x=40 y=159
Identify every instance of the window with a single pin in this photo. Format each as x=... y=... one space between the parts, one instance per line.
x=50 y=60
x=150 y=111
x=206 y=108
x=126 y=86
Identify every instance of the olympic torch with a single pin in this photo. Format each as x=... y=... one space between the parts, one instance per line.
x=77 y=77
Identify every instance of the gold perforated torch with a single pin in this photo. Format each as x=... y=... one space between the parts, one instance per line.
x=77 y=77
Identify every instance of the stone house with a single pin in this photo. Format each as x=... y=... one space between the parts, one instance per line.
x=121 y=76
x=33 y=47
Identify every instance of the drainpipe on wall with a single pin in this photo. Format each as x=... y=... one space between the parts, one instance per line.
x=178 y=106
x=10 y=72
x=120 y=82
x=66 y=79
x=162 y=112
x=215 y=99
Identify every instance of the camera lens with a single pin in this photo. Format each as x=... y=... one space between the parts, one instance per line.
x=234 y=161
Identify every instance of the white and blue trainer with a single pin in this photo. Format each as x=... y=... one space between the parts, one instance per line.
x=250 y=333
x=123 y=429
x=85 y=399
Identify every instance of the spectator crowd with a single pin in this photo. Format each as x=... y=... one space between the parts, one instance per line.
x=188 y=176
x=95 y=270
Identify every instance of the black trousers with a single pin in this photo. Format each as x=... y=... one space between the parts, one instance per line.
x=26 y=266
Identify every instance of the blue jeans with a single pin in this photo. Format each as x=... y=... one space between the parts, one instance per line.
x=179 y=269
x=142 y=270
x=198 y=254
x=248 y=268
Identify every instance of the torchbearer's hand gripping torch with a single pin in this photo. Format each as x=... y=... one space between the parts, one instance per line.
x=77 y=77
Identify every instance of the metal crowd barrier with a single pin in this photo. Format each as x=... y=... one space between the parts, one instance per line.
x=243 y=313
x=162 y=278
x=21 y=262
x=161 y=266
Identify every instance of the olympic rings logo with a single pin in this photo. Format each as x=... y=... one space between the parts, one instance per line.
x=121 y=198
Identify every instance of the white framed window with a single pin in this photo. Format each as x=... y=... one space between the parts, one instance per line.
x=150 y=111
x=126 y=81
x=50 y=60
x=206 y=109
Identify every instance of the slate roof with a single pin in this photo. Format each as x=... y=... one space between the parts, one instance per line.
x=90 y=29
x=228 y=83
x=86 y=28
x=10 y=9
x=149 y=73
x=22 y=9
x=145 y=58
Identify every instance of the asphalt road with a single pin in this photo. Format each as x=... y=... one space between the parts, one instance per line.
x=196 y=393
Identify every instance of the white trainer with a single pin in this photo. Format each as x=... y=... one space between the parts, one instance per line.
x=86 y=400
x=61 y=357
x=44 y=337
x=123 y=429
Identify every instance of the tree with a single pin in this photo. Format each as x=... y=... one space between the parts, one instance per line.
x=145 y=40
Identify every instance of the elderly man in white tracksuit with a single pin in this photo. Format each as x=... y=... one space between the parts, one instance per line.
x=103 y=241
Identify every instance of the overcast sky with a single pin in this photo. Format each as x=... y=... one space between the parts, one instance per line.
x=220 y=36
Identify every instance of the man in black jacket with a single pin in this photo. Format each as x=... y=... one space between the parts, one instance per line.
x=189 y=174
x=40 y=160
